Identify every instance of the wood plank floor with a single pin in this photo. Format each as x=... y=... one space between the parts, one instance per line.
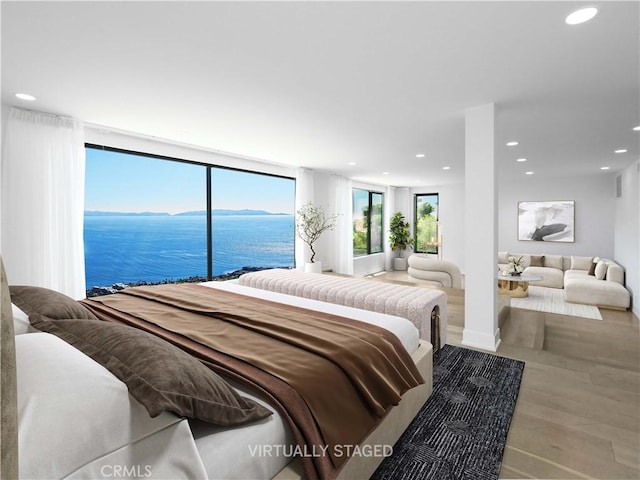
x=578 y=410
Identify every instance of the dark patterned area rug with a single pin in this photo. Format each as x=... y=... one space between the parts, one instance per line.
x=461 y=431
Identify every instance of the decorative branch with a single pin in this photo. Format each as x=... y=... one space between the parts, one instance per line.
x=311 y=222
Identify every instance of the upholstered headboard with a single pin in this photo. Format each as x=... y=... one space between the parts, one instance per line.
x=8 y=389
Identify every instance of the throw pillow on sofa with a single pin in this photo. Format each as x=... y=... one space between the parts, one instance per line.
x=553 y=261
x=537 y=261
x=581 y=263
x=601 y=270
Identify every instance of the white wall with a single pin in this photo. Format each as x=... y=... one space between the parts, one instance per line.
x=594 y=197
x=185 y=152
x=323 y=196
x=626 y=242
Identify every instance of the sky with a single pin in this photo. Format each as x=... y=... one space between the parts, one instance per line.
x=119 y=182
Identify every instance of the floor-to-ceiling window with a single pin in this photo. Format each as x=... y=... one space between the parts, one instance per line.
x=151 y=219
x=426 y=223
x=367 y=222
x=252 y=220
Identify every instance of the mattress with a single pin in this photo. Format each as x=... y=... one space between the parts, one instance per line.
x=260 y=450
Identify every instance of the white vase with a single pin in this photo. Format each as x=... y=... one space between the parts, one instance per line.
x=400 y=263
x=315 y=267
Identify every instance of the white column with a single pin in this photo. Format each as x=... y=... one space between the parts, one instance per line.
x=481 y=220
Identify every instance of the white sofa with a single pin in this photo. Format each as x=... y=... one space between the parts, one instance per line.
x=434 y=271
x=586 y=280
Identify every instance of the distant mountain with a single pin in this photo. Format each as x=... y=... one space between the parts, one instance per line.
x=216 y=211
x=222 y=211
x=246 y=211
x=97 y=213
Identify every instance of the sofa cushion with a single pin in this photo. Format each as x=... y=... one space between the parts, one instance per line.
x=551 y=277
x=600 y=270
x=553 y=261
x=588 y=290
x=615 y=273
x=581 y=263
x=503 y=257
x=592 y=267
x=577 y=273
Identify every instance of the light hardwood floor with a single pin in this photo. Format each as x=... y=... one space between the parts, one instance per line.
x=578 y=410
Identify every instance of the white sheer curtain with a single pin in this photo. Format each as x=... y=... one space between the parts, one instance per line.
x=43 y=175
x=343 y=235
x=304 y=194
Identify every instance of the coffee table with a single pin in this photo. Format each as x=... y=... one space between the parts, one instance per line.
x=516 y=286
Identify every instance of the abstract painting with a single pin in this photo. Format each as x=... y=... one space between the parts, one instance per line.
x=546 y=221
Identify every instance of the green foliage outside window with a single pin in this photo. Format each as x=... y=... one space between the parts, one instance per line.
x=367 y=222
x=426 y=227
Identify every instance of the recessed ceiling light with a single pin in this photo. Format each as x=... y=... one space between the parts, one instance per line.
x=512 y=144
x=581 y=16
x=528 y=173
x=25 y=96
x=385 y=173
x=420 y=155
x=446 y=168
x=605 y=168
x=351 y=163
x=521 y=160
x=637 y=129
x=622 y=150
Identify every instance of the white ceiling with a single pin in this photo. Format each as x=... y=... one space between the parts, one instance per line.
x=320 y=84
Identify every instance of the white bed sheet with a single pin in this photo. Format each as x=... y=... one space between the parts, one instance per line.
x=255 y=451
x=77 y=420
x=400 y=327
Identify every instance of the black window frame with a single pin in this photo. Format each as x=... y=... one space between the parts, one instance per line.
x=436 y=248
x=209 y=200
x=371 y=194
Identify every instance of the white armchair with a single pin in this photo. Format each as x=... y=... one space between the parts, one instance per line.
x=433 y=271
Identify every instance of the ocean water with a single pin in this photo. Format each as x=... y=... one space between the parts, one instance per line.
x=131 y=249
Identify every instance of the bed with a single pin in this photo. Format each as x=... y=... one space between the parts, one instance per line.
x=100 y=430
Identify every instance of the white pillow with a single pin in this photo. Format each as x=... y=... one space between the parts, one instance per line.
x=503 y=257
x=71 y=410
x=553 y=261
x=21 y=321
x=581 y=263
x=601 y=270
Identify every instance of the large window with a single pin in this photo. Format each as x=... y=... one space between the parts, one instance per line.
x=426 y=223
x=151 y=219
x=367 y=222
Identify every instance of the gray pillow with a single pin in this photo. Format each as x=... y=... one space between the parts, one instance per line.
x=52 y=304
x=158 y=374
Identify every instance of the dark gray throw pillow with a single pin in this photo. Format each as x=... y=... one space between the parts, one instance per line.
x=158 y=374
x=52 y=304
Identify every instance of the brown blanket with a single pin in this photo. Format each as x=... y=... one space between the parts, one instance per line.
x=335 y=378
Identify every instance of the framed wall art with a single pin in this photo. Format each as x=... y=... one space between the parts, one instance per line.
x=547 y=221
